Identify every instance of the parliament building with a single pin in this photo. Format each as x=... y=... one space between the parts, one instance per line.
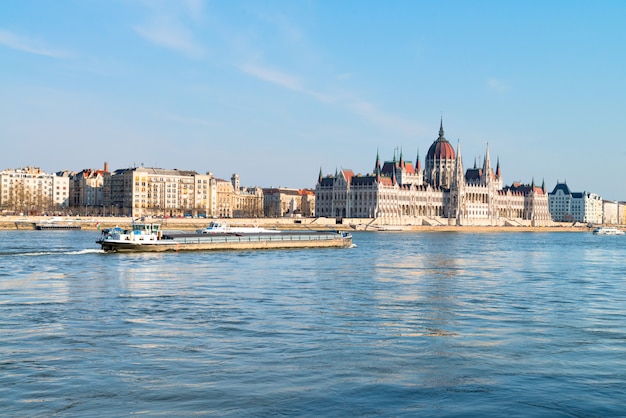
x=399 y=192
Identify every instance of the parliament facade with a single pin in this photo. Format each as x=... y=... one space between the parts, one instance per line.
x=400 y=192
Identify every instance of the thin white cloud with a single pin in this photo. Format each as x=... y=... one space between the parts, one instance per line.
x=498 y=85
x=386 y=120
x=172 y=34
x=20 y=43
x=273 y=76
x=363 y=108
x=285 y=80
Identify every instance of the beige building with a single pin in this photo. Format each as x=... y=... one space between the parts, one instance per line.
x=87 y=189
x=234 y=201
x=621 y=213
x=247 y=201
x=279 y=202
x=32 y=191
x=143 y=191
x=307 y=205
x=610 y=210
x=225 y=198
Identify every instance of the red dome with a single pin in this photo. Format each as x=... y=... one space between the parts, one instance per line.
x=441 y=149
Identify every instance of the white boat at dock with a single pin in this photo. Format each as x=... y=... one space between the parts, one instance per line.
x=216 y=227
x=147 y=237
x=56 y=224
x=606 y=230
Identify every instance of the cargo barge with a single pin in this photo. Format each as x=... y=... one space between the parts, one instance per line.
x=149 y=238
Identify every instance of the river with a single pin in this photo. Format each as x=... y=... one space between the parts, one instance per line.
x=403 y=324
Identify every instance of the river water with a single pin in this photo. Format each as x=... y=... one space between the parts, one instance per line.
x=404 y=324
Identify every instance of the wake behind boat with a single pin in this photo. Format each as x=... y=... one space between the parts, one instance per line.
x=149 y=238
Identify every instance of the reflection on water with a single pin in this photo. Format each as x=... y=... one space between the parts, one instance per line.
x=402 y=325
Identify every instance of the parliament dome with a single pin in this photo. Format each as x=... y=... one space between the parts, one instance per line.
x=441 y=149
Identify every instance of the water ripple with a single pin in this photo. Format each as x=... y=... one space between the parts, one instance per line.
x=402 y=325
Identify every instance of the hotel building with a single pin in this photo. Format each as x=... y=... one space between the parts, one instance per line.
x=567 y=206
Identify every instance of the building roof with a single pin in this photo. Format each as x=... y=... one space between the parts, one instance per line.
x=441 y=149
x=561 y=186
x=327 y=181
x=363 y=180
x=473 y=174
x=389 y=166
x=524 y=189
x=157 y=171
x=348 y=174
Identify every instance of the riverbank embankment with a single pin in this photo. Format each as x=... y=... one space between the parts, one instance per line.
x=191 y=224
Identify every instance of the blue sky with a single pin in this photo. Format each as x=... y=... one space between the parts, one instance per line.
x=276 y=90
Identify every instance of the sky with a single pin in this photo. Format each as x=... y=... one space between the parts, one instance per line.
x=276 y=91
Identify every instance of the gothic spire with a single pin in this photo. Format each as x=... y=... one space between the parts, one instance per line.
x=487 y=161
x=498 y=168
x=441 y=129
x=319 y=177
x=377 y=164
x=487 y=172
x=458 y=178
x=418 y=165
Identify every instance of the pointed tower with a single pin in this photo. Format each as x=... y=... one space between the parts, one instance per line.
x=458 y=180
x=319 y=177
x=457 y=209
x=487 y=172
x=377 y=172
x=234 y=179
x=377 y=163
x=498 y=175
x=418 y=165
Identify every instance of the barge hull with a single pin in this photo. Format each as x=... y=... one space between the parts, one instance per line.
x=243 y=243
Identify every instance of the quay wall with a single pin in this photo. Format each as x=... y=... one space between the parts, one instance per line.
x=191 y=224
x=184 y=224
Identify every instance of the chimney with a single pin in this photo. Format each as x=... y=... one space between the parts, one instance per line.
x=106 y=167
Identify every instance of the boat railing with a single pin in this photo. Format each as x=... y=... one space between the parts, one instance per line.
x=257 y=238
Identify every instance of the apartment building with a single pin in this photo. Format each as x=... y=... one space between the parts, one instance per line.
x=143 y=191
x=32 y=191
